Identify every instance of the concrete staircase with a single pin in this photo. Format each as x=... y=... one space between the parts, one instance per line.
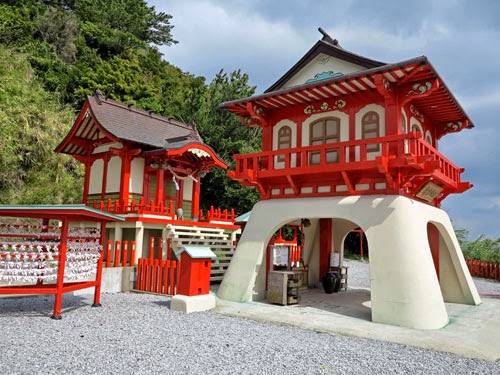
x=220 y=240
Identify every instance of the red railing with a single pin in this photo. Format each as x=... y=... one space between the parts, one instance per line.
x=483 y=268
x=141 y=207
x=120 y=256
x=157 y=276
x=419 y=147
x=341 y=156
x=117 y=207
x=216 y=214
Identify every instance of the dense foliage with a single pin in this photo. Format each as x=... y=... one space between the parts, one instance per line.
x=55 y=52
x=482 y=248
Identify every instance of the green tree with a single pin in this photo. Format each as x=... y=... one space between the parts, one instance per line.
x=482 y=248
x=32 y=123
x=225 y=133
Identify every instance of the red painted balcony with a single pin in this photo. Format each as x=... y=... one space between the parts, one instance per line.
x=161 y=209
x=396 y=164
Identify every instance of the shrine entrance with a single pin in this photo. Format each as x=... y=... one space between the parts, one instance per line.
x=404 y=288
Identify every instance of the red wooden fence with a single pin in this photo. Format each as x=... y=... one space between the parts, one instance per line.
x=157 y=276
x=482 y=268
x=119 y=255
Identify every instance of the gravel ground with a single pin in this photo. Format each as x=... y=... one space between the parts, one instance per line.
x=138 y=334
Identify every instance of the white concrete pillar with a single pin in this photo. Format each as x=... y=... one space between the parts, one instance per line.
x=139 y=241
x=405 y=289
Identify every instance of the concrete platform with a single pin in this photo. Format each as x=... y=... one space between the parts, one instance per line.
x=472 y=331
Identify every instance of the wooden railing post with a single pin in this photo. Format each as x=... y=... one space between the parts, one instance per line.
x=125 y=254
x=116 y=262
x=108 y=254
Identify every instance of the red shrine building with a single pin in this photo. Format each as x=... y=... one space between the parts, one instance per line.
x=147 y=169
x=351 y=142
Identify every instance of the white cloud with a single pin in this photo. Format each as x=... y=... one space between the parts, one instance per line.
x=211 y=37
x=266 y=38
x=481 y=101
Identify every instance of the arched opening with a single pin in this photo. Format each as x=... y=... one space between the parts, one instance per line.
x=304 y=251
x=448 y=264
x=356 y=245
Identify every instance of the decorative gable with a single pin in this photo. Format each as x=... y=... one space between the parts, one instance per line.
x=325 y=60
x=322 y=67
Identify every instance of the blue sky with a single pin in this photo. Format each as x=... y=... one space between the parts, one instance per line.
x=461 y=39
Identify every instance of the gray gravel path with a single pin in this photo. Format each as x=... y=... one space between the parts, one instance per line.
x=138 y=334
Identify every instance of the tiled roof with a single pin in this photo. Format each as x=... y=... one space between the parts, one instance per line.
x=128 y=123
x=105 y=119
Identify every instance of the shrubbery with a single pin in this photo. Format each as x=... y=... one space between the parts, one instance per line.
x=482 y=248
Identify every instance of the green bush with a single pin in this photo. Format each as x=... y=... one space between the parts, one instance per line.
x=482 y=248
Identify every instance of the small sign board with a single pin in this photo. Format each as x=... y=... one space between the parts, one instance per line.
x=429 y=191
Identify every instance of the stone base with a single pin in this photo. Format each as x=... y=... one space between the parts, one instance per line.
x=189 y=304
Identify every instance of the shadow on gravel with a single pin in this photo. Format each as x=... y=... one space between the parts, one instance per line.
x=163 y=303
x=39 y=305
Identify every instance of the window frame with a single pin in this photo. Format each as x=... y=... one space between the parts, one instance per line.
x=284 y=131
x=324 y=138
x=364 y=123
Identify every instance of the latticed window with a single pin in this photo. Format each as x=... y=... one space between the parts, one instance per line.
x=284 y=140
x=370 y=125
x=324 y=131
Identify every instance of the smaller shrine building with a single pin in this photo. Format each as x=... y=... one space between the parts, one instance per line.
x=147 y=168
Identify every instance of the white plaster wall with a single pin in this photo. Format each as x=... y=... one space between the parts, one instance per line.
x=359 y=116
x=322 y=63
x=188 y=190
x=428 y=137
x=136 y=175
x=276 y=129
x=106 y=147
x=404 y=127
x=114 y=173
x=404 y=286
x=95 y=180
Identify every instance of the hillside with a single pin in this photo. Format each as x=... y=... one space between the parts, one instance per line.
x=55 y=53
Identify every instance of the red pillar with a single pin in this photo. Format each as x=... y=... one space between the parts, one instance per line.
x=98 y=279
x=195 y=199
x=125 y=178
x=433 y=237
x=86 y=180
x=160 y=185
x=325 y=245
x=60 y=270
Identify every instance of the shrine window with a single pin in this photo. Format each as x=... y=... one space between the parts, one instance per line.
x=370 y=128
x=415 y=128
x=324 y=131
x=284 y=140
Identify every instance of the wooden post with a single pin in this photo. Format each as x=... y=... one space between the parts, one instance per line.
x=60 y=270
x=125 y=254
x=116 y=261
x=98 y=279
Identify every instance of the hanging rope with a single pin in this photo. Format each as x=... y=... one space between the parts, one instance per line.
x=176 y=177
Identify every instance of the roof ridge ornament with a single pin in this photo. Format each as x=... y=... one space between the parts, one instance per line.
x=328 y=38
